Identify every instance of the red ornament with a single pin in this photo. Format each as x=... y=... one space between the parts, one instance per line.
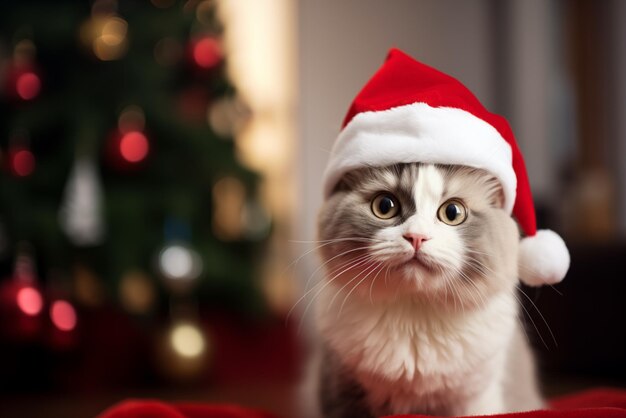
x=127 y=151
x=21 y=161
x=207 y=52
x=29 y=300
x=23 y=81
x=63 y=315
x=134 y=146
x=27 y=85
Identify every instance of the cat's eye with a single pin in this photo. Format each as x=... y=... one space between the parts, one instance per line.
x=452 y=212
x=385 y=206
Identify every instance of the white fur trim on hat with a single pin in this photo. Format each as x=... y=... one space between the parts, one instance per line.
x=420 y=133
x=543 y=258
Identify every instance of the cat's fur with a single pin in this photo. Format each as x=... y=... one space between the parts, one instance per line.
x=436 y=336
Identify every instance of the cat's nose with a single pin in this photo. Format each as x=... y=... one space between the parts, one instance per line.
x=416 y=240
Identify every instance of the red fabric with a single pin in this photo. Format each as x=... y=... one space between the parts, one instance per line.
x=599 y=403
x=158 y=409
x=401 y=81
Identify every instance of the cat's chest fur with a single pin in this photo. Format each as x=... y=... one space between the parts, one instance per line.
x=410 y=357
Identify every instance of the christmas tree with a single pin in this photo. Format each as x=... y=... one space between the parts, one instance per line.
x=120 y=183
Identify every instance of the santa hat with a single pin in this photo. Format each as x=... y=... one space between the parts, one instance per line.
x=409 y=112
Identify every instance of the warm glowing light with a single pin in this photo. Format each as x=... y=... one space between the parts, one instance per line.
x=187 y=340
x=28 y=85
x=229 y=198
x=107 y=36
x=23 y=162
x=63 y=315
x=134 y=146
x=205 y=12
x=179 y=262
x=207 y=52
x=29 y=300
x=136 y=292
x=114 y=31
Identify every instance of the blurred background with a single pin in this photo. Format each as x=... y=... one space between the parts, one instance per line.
x=161 y=173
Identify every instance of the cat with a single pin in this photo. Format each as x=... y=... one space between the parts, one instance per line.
x=418 y=313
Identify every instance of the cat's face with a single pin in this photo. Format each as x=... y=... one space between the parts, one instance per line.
x=422 y=230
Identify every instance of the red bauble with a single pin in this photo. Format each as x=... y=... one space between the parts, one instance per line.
x=128 y=150
x=23 y=82
x=21 y=161
x=206 y=52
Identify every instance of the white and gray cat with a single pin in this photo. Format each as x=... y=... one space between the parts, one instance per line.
x=418 y=312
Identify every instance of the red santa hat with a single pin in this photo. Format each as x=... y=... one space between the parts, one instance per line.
x=409 y=112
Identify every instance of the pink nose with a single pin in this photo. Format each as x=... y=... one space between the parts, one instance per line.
x=416 y=240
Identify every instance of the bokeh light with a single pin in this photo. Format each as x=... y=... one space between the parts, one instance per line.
x=134 y=146
x=229 y=198
x=24 y=52
x=131 y=119
x=29 y=300
x=22 y=162
x=106 y=35
x=205 y=12
x=136 y=292
x=187 y=340
x=179 y=262
x=63 y=315
x=28 y=85
x=207 y=52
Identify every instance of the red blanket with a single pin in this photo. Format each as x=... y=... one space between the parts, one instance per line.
x=599 y=403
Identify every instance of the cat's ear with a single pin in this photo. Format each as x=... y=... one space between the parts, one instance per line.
x=495 y=192
x=498 y=196
x=351 y=180
x=347 y=182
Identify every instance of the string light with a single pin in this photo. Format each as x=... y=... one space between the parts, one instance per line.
x=179 y=262
x=187 y=340
x=105 y=33
x=134 y=146
x=29 y=300
x=63 y=315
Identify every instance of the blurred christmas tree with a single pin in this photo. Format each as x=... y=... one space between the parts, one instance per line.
x=120 y=183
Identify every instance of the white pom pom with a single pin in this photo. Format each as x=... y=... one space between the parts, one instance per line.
x=543 y=258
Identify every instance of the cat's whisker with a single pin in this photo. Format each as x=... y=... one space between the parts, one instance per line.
x=334 y=269
x=323 y=244
x=343 y=239
x=306 y=285
x=532 y=321
x=470 y=290
x=540 y=314
x=325 y=285
x=374 y=281
x=307 y=292
x=529 y=270
x=363 y=271
x=356 y=286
